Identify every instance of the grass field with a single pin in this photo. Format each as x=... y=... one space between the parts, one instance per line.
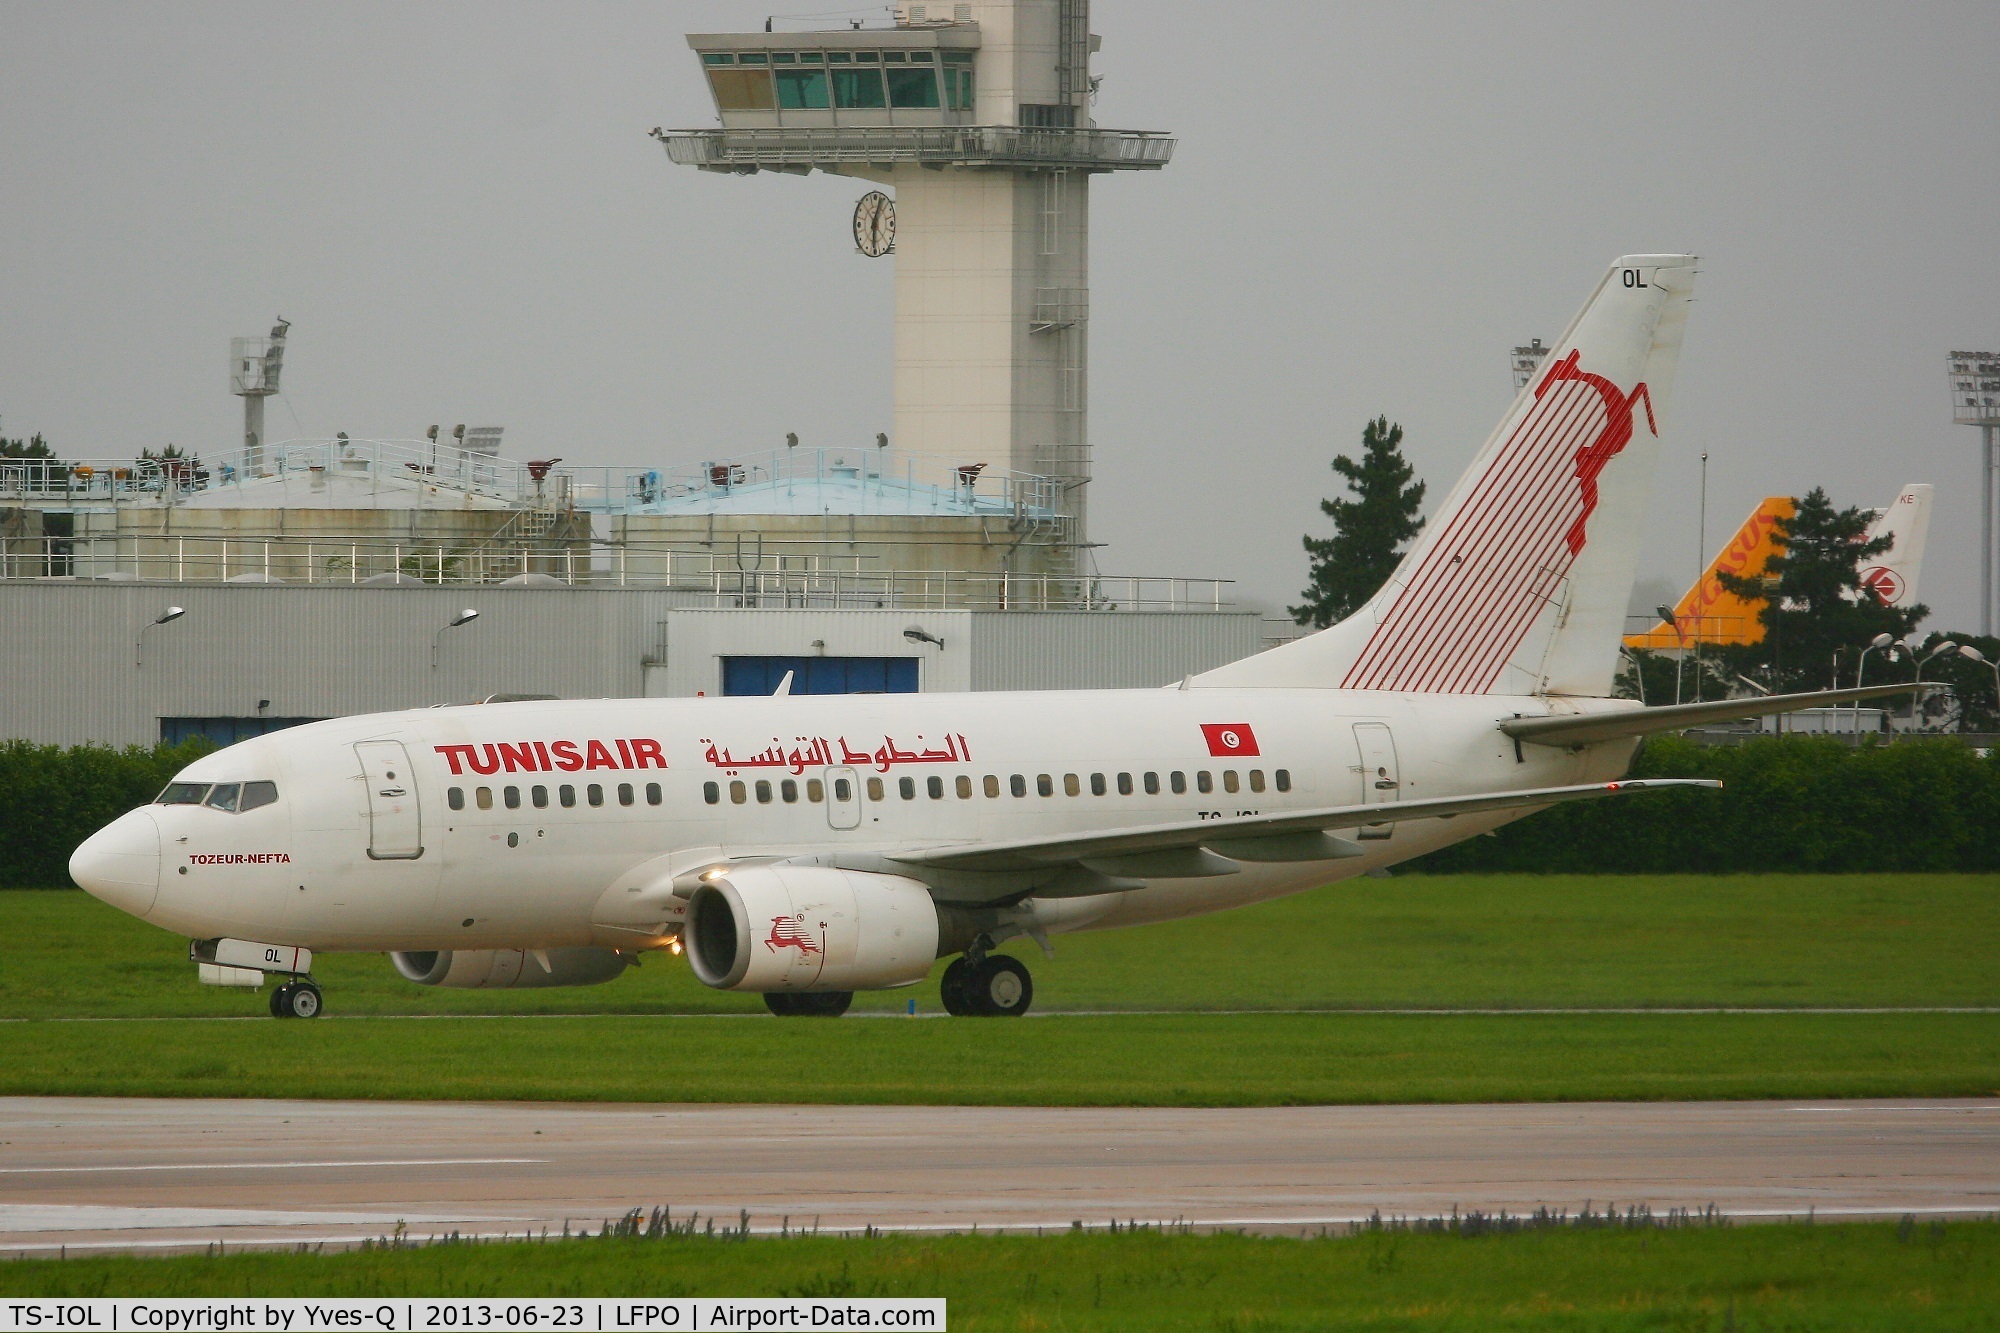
x=1501 y=941
x=1082 y=1060
x=1494 y=943
x=1880 y=1276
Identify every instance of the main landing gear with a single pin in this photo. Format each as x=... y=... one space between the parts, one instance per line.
x=986 y=985
x=295 y=999
x=808 y=1004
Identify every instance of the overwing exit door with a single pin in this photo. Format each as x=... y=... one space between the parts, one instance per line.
x=395 y=820
x=843 y=798
x=1381 y=780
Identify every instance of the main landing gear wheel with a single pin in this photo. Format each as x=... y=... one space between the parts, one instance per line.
x=296 y=999
x=996 y=986
x=808 y=1004
x=951 y=988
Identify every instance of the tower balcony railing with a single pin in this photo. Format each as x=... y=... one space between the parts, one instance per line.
x=1001 y=146
x=781 y=575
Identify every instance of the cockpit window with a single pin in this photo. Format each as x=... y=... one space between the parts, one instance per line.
x=223 y=796
x=256 y=794
x=182 y=793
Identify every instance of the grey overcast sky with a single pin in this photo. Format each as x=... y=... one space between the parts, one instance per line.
x=458 y=208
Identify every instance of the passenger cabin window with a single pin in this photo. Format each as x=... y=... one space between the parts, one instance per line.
x=964 y=785
x=222 y=796
x=1178 y=781
x=1070 y=785
x=182 y=793
x=738 y=793
x=991 y=785
x=1229 y=779
x=540 y=797
x=653 y=794
x=1124 y=784
x=711 y=793
x=1203 y=783
x=567 y=795
x=594 y=794
x=1256 y=779
x=512 y=796
x=1045 y=785
x=907 y=788
x=788 y=791
x=935 y=786
x=874 y=789
x=1097 y=784
x=483 y=797
x=843 y=790
x=1152 y=784
x=1283 y=777
x=763 y=791
x=455 y=798
x=1018 y=785
x=625 y=794
x=816 y=790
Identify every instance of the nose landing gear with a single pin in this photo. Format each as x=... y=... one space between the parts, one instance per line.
x=295 y=999
x=988 y=986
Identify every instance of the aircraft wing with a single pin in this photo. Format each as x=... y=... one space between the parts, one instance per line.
x=1590 y=728
x=1279 y=833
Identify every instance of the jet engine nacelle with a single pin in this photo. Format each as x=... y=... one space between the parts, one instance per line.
x=810 y=928
x=509 y=969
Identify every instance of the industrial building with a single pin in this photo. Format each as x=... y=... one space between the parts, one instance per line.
x=232 y=592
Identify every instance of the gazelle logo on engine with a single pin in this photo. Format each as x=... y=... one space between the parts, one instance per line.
x=788 y=932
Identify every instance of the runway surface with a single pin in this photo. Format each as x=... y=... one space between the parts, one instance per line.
x=128 y=1174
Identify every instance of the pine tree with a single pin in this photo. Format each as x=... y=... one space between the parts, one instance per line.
x=1370 y=531
x=1818 y=604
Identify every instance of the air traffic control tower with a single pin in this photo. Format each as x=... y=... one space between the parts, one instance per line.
x=976 y=117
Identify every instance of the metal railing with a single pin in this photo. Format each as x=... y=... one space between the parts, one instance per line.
x=939 y=145
x=386 y=465
x=884 y=472
x=775 y=577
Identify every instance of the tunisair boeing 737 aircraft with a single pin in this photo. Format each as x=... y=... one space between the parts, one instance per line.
x=809 y=847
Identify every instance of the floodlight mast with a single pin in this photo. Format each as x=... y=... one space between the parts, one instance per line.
x=1975 y=401
x=254 y=365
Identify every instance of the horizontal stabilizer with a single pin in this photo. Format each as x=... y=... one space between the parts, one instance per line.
x=1590 y=728
x=1125 y=845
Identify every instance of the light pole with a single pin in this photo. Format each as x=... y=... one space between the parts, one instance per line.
x=1879 y=641
x=1917 y=699
x=1667 y=614
x=1700 y=555
x=139 y=643
x=1970 y=653
x=468 y=614
x=1975 y=401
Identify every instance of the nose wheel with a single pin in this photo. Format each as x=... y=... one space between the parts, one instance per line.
x=995 y=986
x=295 y=999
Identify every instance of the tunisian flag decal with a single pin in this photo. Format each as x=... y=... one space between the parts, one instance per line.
x=1230 y=740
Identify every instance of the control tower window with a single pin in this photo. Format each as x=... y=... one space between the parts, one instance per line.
x=717 y=58
x=958 y=88
x=858 y=88
x=1047 y=115
x=802 y=89
x=913 y=87
x=742 y=89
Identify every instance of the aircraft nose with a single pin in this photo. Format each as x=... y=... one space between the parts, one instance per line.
x=120 y=863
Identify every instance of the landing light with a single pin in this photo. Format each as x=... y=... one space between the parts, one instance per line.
x=674 y=946
x=709 y=876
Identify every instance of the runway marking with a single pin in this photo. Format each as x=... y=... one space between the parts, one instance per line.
x=275 y=1166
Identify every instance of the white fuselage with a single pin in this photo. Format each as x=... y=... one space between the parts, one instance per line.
x=536 y=825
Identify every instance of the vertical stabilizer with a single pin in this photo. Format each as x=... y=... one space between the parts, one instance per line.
x=1709 y=613
x=1518 y=584
x=1892 y=575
